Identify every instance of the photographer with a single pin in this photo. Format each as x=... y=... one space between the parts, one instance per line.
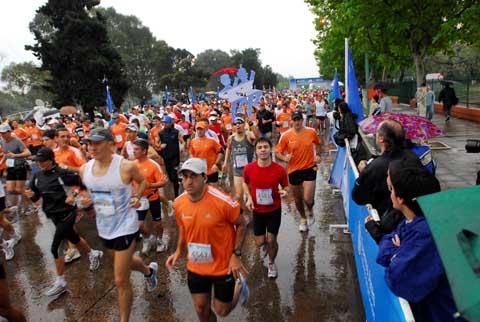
x=473 y=146
x=347 y=126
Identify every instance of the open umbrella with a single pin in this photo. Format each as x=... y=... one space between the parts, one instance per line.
x=226 y=70
x=416 y=127
x=68 y=109
x=454 y=220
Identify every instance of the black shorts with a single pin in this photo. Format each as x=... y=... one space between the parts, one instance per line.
x=321 y=118
x=298 y=177
x=120 y=243
x=2 y=272
x=17 y=173
x=267 y=222
x=212 y=178
x=2 y=203
x=223 y=286
x=155 y=210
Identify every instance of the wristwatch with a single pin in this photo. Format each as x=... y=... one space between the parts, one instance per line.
x=237 y=252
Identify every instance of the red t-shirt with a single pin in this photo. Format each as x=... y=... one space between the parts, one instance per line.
x=263 y=183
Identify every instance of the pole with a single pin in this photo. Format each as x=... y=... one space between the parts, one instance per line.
x=367 y=79
x=345 y=82
x=468 y=90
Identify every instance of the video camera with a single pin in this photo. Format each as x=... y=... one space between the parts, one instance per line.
x=472 y=146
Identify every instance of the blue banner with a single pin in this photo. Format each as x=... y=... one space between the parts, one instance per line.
x=335 y=88
x=380 y=304
x=109 y=101
x=353 y=96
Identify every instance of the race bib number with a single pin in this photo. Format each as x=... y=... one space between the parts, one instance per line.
x=10 y=163
x=285 y=124
x=118 y=138
x=229 y=127
x=144 y=204
x=103 y=204
x=34 y=136
x=264 y=197
x=241 y=160
x=200 y=253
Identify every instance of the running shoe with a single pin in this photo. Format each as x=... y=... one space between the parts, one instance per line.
x=152 y=279
x=303 y=225
x=272 y=270
x=162 y=245
x=245 y=291
x=310 y=220
x=7 y=247
x=170 y=208
x=263 y=250
x=57 y=289
x=94 y=258
x=72 y=254
x=147 y=244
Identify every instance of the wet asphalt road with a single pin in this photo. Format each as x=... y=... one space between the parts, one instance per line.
x=317 y=278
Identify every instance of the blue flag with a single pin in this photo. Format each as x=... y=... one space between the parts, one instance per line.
x=192 y=96
x=109 y=101
x=353 y=97
x=167 y=98
x=336 y=87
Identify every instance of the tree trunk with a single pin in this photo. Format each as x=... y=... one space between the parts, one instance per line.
x=419 y=68
x=384 y=73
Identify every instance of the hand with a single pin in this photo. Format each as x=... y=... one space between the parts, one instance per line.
x=236 y=267
x=368 y=218
x=215 y=168
x=318 y=158
x=283 y=193
x=163 y=145
x=224 y=168
x=172 y=260
x=134 y=202
x=70 y=200
x=10 y=155
x=249 y=204
x=28 y=193
x=288 y=157
x=396 y=241
x=362 y=165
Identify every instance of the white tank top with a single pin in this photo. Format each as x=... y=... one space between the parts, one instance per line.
x=111 y=199
x=129 y=149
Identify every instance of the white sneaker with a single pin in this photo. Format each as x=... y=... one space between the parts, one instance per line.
x=94 y=258
x=162 y=245
x=263 y=250
x=72 y=254
x=7 y=247
x=170 y=208
x=303 y=225
x=272 y=270
x=147 y=244
x=17 y=236
x=245 y=291
x=152 y=279
x=57 y=289
x=310 y=220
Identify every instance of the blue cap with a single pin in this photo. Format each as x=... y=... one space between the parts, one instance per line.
x=167 y=119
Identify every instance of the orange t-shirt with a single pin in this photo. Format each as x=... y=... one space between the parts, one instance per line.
x=227 y=122
x=153 y=137
x=284 y=120
x=205 y=148
x=209 y=221
x=22 y=135
x=71 y=157
x=152 y=172
x=123 y=119
x=119 y=134
x=35 y=136
x=301 y=146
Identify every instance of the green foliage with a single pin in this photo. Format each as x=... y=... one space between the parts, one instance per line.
x=77 y=52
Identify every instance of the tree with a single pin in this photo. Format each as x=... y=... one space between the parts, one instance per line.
x=78 y=54
x=23 y=77
x=392 y=30
x=269 y=78
x=250 y=59
x=210 y=61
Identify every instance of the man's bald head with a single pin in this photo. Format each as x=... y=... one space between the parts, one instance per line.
x=393 y=135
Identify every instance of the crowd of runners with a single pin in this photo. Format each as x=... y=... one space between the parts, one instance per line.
x=176 y=160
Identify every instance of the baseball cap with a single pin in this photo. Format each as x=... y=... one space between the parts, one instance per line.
x=115 y=116
x=44 y=154
x=132 y=127
x=167 y=119
x=196 y=165
x=5 y=128
x=100 y=134
x=239 y=120
x=212 y=118
x=202 y=125
x=297 y=115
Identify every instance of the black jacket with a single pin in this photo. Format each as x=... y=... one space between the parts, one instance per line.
x=265 y=115
x=171 y=152
x=447 y=96
x=50 y=186
x=347 y=126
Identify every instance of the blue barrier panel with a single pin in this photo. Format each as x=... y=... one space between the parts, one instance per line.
x=380 y=304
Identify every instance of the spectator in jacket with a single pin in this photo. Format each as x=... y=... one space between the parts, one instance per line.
x=413 y=267
x=448 y=98
x=347 y=128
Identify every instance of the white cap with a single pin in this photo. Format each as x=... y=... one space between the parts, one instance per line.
x=212 y=118
x=196 y=165
x=52 y=121
x=132 y=127
x=5 y=128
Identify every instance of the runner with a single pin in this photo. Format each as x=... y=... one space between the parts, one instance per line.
x=50 y=184
x=155 y=178
x=15 y=236
x=15 y=153
x=240 y=146
x=119 y=131
x=300 y=148
x=210 y=226
x=34 y=135
x=208 y=149
x=169 y=139
x=132 y=135
x=320 y=114
x=261 y=180
x=108 y=178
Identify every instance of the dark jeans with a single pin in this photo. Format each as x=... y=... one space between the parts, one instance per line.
x=447 y=108
x=171 y=166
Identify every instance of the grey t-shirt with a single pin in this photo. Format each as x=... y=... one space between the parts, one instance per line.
x=15 y=146
x=386 y=105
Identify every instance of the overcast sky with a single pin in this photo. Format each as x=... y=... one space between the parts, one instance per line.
x=283 y=30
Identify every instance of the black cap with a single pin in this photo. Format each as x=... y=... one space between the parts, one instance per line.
x=297 y=115
x=44 y=154
x=100 y=134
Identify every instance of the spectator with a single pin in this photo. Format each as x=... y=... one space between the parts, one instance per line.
x=448 y=98
x=421 y=98
x=385 y=105
x=347 y=127
x=414 y=269
x=430 y=102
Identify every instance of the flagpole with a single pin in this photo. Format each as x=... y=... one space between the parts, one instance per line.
x=346 y=70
